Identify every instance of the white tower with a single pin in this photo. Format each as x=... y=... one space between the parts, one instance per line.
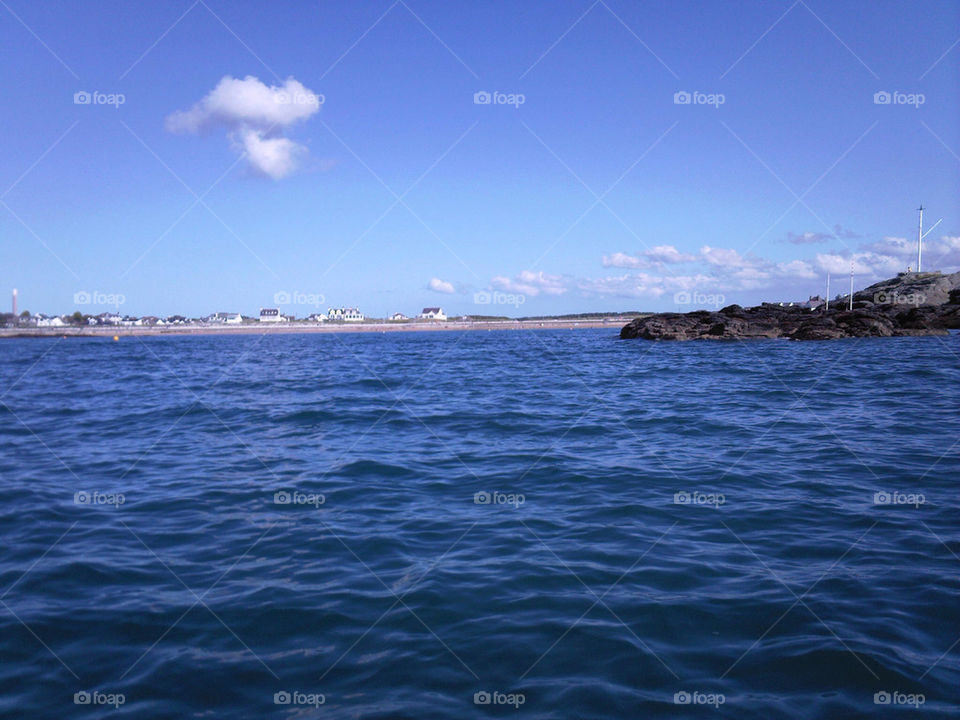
x=14 y=302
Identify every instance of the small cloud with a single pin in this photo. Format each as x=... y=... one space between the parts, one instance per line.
x=844 y=234
x=531 y=283
x=275 y=157
x=247 y=102
x=808 y=238
x=799 y=269
x=652 y=256
x=254 y=116
x=639 y=285
x=622 y=260
x=441 y=286
x=668 y=254
x=724 y=257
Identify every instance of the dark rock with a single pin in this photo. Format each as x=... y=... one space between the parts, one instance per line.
x=893 y=307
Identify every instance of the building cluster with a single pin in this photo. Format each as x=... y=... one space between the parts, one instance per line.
x=267 y=315
x=345 y=315
x=109 y=319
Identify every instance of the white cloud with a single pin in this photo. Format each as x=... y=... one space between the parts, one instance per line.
x=862 y=263
x=247 y=102
x=441 y=286
x=276 y=157
x=799 y=269
x=942 y=253
x=726 y=270
x=254 y=116
x=808 y=238
x=938 y=253
x=531 y=283
x=891 y=255
x=668 y=254
x=622 y=260
x=722 y=257
x=653 y=256
x=646 y=285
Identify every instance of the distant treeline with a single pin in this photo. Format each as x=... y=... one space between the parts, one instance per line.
x=586 y=316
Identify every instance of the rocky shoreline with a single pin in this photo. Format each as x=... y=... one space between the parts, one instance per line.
x=908 y=305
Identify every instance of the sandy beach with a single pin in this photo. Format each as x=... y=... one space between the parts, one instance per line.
x=288 y=328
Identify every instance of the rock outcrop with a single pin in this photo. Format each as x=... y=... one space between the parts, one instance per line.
x=910 y=304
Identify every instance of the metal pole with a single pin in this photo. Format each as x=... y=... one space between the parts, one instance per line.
x=851 y=286
x=919 y=236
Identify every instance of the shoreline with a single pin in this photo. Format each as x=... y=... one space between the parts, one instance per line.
x=299 y=328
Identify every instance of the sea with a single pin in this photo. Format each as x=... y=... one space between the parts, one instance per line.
x=513 y=524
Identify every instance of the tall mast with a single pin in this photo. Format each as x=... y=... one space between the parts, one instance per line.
x=919 y=235
x=851 y=286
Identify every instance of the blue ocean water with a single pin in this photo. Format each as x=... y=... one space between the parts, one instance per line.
x=553 y=524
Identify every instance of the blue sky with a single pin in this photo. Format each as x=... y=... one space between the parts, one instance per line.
x=397 y=191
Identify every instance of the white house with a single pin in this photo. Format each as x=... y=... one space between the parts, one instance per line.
x=432 y=313
x=317 y=317
x=225 y=317
x=44 y=321
x=345 y=315
x=271 y=315
x=109 y=318
x=398 y=317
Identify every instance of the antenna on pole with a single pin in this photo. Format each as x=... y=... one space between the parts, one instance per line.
x=919 y=235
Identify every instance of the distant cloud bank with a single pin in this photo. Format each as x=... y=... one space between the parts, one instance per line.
x=714 y=269
x=254 y=115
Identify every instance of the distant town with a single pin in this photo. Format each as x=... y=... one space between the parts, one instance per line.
x=26 y=319
x=24 y=322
